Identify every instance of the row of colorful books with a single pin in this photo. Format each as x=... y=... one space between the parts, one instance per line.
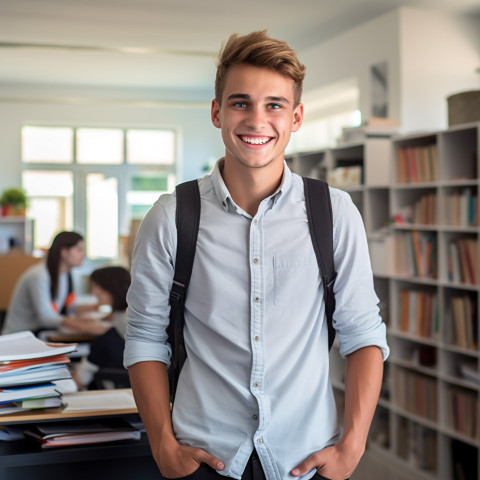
x=461 y=326
x=416 y=393
x=463 y=412
x=416 y=254
x=419 y=313
x=460 y=208
x=463 y=260
x=417 y=164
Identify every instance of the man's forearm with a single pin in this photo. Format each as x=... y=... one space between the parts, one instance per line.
x=150 y=388
x=363 y=380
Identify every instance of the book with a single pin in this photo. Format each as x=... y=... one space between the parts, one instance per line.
x=9 y=408
x=79 y=433
x=341 y=177
x=30 y=391
x=46 y=402
x=35 y=375
x=22 y=365
x=24 y=346
x=9 y=433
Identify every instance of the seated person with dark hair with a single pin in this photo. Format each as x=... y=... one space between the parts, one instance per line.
x=110 y=286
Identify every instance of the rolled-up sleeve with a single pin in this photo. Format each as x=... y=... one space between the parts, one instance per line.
x=148 y=296
x=356 y=318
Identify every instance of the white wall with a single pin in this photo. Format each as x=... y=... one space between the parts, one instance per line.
x=430 y=56
x=438 y=58
x=351 y=54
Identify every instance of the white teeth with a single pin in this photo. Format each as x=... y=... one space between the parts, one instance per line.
x=256 y=141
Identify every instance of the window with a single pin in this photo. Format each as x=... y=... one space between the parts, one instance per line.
x=327 y=110
x=43 y=144
x=94 y=180
x=100 y=145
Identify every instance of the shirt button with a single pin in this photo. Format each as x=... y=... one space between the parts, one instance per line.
x=255 y=417
x=259 y=441
x=255 y=260
x=255 y=221
x=257 y=338
x=257 y=299
x=255 y=384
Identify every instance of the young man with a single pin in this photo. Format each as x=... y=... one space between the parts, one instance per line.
x=254 y=398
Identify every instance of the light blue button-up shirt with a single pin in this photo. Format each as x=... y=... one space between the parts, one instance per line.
x=257 y=372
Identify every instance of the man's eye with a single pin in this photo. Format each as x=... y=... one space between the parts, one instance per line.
x=274 y=106
x=240 y=105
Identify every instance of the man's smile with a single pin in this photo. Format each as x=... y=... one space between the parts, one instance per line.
x=255 y=140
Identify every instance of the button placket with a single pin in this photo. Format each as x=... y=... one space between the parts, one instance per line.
x=256 y=320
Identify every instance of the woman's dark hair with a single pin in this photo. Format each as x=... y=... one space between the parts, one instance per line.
x=115 y=280
x=61 y=241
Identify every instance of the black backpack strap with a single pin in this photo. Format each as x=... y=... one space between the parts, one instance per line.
x=188 y=221
x=320 y=223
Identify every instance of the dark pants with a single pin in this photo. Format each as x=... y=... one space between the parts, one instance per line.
x=253 y=471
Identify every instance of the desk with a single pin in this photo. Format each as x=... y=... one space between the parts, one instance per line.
x=25 y=460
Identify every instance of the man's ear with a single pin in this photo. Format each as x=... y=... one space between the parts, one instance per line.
x=297 y=117
x=215 y=114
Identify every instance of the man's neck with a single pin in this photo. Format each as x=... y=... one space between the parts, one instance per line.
x=249 y=186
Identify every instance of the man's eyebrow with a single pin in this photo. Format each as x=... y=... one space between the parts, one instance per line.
x=238 y=96
x=245 y=96
x=278 y=99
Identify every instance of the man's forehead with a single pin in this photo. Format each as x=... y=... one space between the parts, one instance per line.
x=246 y=81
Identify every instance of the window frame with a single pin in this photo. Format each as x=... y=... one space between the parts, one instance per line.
x=124 y=172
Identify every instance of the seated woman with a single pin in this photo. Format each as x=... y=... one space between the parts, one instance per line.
x=43 y=297
x=110 y=286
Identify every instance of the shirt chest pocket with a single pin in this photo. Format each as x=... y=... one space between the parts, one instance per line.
x=296 y=280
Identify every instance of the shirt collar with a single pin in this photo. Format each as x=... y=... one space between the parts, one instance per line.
x=224 y=197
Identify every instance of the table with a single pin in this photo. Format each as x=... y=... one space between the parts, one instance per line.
x=25 y=460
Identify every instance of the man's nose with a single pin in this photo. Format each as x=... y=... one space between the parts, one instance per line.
x=256 y=118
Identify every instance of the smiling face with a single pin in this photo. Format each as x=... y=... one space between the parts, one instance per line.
x=256 y=116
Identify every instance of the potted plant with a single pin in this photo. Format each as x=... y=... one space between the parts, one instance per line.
x=13 y=202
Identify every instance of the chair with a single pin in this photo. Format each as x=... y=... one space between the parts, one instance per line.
x=111 y=378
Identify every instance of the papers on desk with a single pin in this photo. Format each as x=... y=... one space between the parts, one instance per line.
x=25 y=345
x=107 y=400
x=80 y=432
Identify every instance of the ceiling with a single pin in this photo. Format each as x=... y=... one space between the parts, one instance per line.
x=163 y=44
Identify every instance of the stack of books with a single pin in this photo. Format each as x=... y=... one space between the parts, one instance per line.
x=374 y=127
x=30 y=370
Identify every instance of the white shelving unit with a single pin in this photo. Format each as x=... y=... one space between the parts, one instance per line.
x=430 y=354
x=18 y=230
x=428 y=418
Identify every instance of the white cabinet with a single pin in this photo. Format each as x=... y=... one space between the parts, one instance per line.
x=16 y=232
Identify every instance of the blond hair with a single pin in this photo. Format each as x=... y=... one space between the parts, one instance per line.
x=259 y=50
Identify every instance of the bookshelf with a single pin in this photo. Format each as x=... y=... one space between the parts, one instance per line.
x=434 y=290
x=418 y=195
